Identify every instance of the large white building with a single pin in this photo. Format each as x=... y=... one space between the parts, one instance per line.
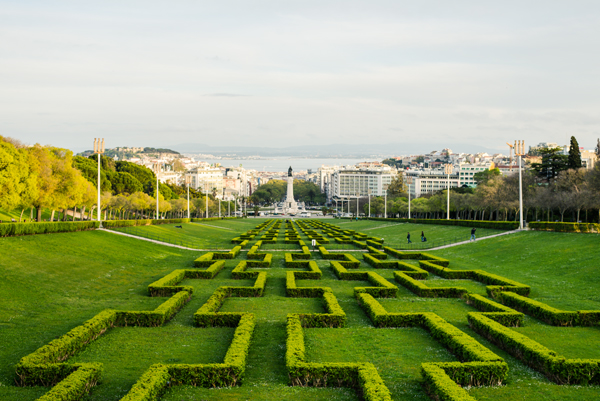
x=325 y=179
x=428 y=181
x=206 y=178
x=357 y=181
x=466 y=172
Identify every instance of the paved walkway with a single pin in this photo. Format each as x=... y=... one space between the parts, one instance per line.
x=160 y=242
x=462 y=242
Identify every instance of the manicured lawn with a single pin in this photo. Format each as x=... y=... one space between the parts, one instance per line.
x=52 y=283
x=217 y=234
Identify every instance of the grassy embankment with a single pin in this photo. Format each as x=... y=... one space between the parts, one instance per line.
x=51 y=283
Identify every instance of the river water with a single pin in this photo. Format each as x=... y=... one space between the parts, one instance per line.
x=282 y=164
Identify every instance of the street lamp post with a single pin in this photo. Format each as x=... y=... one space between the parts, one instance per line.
x=357 y=202
x=219 y=207
x=187 y=181
x=99 y=149
x=448 y=170
x=369 y=190
x=385 y=187
x=157 y=170
x=409 y=182
x=206 y=197
x=520 y=151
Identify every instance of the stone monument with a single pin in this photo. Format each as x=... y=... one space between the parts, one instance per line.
x=290 y=206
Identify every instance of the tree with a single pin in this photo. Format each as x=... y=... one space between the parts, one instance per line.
x=61 y=186
x=256 y=210
x=598 y=148
x=553 y=162
x=574 y=160
x=484 y=176
x=396 y=187
x=18 y=182
x=125 y=183
x=324 y=210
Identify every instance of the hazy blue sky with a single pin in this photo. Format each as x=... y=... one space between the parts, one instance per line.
x=276 y=73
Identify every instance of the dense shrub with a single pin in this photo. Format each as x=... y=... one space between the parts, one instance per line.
x=499 y=225
x=565 y=227
x=16 y=229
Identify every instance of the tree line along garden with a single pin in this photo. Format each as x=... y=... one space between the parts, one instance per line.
x=254 y=323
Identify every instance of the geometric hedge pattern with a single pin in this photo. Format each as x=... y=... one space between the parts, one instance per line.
x=502 y=309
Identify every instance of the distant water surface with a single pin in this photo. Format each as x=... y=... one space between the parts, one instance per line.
x=282 y=164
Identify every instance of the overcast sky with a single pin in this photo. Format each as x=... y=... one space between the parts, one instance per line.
x=281 y=73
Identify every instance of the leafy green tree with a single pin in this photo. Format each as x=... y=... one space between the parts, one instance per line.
x=125 y=183
x=574 y=160
x=256 y=210
x=553 y=162
x=396 y=187
x=89 y=169
x=18 y=182
x=141 y=173
x=61 y=185
x=484 y=176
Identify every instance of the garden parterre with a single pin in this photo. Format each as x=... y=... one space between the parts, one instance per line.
x=470 y=363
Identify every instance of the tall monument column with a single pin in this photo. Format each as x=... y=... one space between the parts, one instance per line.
x=290 y=189
x=290 y=205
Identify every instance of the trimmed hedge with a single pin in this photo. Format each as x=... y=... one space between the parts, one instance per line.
x=362 y=376
x=495 y=284
x=548 y=314
x=423 y=290
x=44 y=367
x=17 y=229
x=382 y=288
x=565 y=227
x=500 y=225
x=555 y=367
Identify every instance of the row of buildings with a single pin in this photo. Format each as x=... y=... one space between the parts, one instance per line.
x=424 y=174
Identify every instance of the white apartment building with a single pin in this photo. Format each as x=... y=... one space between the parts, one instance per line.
x=466 y=172
x=357 y=181
x=325 y=179
x=428 y=181
x=206 y=178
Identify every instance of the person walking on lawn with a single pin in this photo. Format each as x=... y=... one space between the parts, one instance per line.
x=473 y=233
x=408 y=238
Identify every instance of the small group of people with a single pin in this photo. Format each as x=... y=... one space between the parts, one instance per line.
x=424 y=239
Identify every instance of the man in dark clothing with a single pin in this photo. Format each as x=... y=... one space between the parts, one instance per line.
x=473 y=234
x=408 y=238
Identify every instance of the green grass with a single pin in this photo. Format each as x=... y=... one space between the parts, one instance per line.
x=52 y=283
x=218 y=234
x=215 y=234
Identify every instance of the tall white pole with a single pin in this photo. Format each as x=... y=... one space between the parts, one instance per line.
x=369 y=203
x=448 y=203
x=206 y=200
x=385 y=205
x=99 y=209
x=157 y=168
x=409 y=199
x=219 y=208
x=188 y=185
x=228 y=208
x=99 y=149
x=520 y=194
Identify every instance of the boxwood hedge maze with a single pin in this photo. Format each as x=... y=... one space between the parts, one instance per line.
x=304 y=323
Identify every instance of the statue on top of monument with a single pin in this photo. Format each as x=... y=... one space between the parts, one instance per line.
x=290 y=171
